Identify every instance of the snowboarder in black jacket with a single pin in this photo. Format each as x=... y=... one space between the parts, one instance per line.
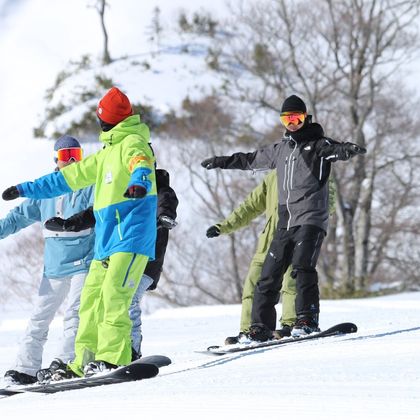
x=303 y=161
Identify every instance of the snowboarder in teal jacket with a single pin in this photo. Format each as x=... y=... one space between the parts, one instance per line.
x=67 y=257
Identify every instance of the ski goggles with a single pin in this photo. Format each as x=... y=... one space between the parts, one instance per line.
x=294 y=118
x=65 y=155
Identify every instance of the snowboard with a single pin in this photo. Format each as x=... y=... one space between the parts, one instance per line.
x=143 y=368
x=339 y=329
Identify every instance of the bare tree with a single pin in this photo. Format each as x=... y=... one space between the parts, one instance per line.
x=100 y=6
x=155 y=29
x=200 y=270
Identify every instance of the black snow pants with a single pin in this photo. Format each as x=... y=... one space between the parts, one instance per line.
x=299 y=246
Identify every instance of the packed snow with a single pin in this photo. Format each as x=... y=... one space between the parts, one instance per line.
x=373 y=374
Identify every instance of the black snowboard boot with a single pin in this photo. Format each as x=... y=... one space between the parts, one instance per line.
x=304 y=326
x=98 y=366
x=284 y=331
x=260 y=332
x=57 y=371
x=19 y=378
x=236 y=339
x=135 y=355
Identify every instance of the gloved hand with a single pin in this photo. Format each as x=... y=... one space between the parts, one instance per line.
x=209 y=163
x=57 y=224
x=213 y=231
x=135 y=191
x=166 y=222
x=354 y=149
x=341 y=151
x=10 y=193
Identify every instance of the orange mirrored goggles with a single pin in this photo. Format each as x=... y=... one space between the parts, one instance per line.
x=294 y=118
x=66 y=155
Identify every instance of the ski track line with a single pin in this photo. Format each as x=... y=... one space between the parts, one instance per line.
x=220 y=360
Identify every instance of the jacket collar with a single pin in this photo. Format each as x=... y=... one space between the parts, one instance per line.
x=131 y=125
x=309 y=132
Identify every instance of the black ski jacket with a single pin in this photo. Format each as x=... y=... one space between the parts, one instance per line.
x=303 y=167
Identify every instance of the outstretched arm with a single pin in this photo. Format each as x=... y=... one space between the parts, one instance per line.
x=263 y=158
x=20 y=217
x=332 y=150
x=139 y=160
x=71 y=178
x=253 y=206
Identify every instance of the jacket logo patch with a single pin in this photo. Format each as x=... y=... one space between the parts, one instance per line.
x=307 y=148
x=108 y=178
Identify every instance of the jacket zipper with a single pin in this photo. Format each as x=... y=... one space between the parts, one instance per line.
x=289 y=183
x=117 y=216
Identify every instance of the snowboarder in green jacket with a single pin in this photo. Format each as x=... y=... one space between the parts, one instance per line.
x=125 y=212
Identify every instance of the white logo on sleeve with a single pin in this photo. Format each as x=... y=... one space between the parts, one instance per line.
x=108 y=178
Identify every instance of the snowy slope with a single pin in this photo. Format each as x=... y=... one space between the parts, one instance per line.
x=373 y=374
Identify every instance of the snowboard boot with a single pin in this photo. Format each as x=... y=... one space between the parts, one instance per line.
x=260 y=332
x=98 y=366
x=135 y=355
x=305 y=326
x=57 y=371
x=284 y=331
x=240 y=338
x=13 y=377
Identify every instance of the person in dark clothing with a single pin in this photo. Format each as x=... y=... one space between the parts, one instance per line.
x=303 y=162
x=166 y=215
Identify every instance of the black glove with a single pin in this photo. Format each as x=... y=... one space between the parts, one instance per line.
x=209 y=163
x=79 y=221
x=56 y=224
x=213 y=231
x=354 y=149
x=342 y=151
x=166 y=222
x=135 y=191
x=10 y=193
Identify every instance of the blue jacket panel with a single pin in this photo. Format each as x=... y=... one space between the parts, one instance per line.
x=48 y=186
x=65 y=253
x=120 y=226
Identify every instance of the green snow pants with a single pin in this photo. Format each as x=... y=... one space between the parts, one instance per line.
x=288 y=295
x=105 y=326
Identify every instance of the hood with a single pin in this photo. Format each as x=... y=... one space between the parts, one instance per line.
x=131 y=125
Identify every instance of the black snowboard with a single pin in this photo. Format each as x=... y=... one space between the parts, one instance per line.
x=339 y=329
x=143 y=368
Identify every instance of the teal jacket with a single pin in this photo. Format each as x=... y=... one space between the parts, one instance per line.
x=65 y=253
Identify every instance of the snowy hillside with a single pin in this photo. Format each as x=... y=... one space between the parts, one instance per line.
x=36 y=49
x=373 y=374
